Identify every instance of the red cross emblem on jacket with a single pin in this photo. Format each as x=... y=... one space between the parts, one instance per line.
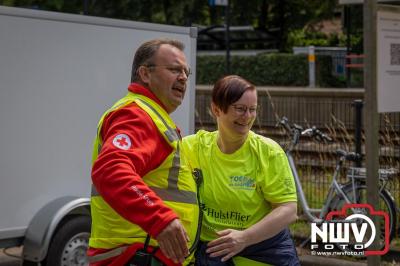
x=122 y=141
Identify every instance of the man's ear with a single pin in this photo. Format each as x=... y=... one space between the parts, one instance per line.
x=144 y=74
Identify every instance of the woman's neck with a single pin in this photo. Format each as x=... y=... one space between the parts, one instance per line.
x=229 y=144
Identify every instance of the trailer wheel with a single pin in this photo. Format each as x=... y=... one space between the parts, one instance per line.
x=70 y=242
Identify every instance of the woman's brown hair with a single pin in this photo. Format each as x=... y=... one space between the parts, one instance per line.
x=228 y=90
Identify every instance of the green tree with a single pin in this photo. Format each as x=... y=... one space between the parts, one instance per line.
x=67 y=6
x=279 y=17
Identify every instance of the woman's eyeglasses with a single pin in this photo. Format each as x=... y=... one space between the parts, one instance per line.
x=241 y=109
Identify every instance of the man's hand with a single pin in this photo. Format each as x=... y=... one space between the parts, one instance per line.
x=173 y=241
x=229 y=243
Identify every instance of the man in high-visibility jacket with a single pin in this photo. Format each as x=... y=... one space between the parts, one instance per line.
x=144 y=193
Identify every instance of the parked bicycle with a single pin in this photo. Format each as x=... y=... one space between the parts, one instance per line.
x=353 y=191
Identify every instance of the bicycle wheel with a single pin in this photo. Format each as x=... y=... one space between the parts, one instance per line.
x=386 y=204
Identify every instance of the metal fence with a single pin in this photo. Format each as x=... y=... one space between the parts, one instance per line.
x=332 y=111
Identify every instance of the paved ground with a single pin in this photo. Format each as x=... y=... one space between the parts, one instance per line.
x=305 y=260
x=7 y=260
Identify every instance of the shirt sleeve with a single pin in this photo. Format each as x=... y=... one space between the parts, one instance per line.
x=190 y=149
x=132 y=146
x=278 y=185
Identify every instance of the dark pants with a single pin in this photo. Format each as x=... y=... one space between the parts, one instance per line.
x=278 y=250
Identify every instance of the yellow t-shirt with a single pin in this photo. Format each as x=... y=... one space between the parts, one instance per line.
x=238 y=188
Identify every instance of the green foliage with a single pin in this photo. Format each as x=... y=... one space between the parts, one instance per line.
x=282 y=16
x=303 y=37
x=172 y=12
x=267 y=69
x=356 y=42
x=300 y=228
x=66 y=6
x=209 y=69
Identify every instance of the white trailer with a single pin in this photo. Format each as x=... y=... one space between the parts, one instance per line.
x=58 y=74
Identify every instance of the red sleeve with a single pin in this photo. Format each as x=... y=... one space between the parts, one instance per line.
x=117 y=173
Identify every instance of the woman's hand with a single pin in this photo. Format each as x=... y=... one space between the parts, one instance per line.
x=229 y=243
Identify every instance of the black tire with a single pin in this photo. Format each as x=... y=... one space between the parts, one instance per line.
x=29 y=263
x=386 y=204
x=69 y=244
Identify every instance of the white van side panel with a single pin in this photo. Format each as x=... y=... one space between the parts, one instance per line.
x=58 y=74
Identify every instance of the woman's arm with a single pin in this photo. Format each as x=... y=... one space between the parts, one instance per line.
x=231 y=242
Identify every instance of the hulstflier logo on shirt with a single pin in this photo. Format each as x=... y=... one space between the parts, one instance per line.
x=227 y=217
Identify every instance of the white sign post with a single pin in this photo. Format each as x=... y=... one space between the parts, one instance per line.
x=388 y=58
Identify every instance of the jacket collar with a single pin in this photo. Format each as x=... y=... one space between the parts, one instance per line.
x=142 y=90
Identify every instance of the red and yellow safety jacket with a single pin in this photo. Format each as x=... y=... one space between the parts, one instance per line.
x=141 y=181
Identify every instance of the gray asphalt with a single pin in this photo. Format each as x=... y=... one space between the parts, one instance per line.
x=306 y=260
x=7 y=260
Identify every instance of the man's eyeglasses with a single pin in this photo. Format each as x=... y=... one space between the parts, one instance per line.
x=177 y=70
x=241 y=109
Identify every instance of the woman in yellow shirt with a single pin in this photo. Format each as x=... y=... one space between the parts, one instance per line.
x=248 y=195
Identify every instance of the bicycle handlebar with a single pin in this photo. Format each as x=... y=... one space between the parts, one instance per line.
x=349 y=156
x=320 y=136
x=284 y=122
x=296 y=131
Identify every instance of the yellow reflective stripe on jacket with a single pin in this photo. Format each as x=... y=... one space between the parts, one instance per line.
x=171 y=134
x=172 y=192
x=107 y=255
